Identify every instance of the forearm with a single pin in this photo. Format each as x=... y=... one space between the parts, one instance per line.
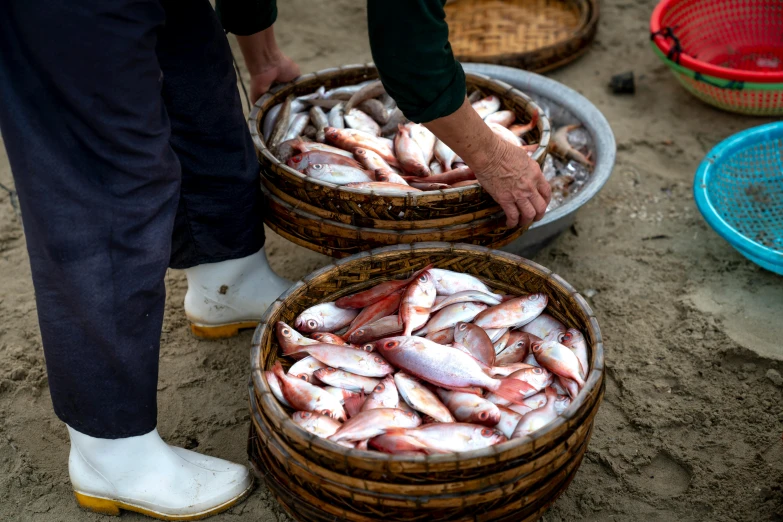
x=259 y=50
x=467 y=135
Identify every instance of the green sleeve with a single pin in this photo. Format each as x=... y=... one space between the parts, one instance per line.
x=246 y=17
x=409 y=40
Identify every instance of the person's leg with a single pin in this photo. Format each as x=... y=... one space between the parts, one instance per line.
x=218 y=232
x=87 y=136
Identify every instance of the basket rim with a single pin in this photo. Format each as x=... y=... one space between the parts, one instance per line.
x=411 y=197
x=715 y=81
x=592 y=386
x=588 y=20
x=500 y=215
x=697 y=65
x=705 y=205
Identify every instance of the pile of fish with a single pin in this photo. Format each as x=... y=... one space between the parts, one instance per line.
x=355 y=136
x=436 y=363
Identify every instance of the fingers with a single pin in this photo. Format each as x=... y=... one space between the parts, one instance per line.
x=538 y=204
x=512 y=214
x=526 y=211
x=545 y=190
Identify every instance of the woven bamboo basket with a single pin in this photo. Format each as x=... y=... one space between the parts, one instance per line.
x=337 y=239
x=536 y=35
x=366 y=204
x=316 y=480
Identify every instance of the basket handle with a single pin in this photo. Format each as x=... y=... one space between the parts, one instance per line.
x=676 y=50
x=731 y=84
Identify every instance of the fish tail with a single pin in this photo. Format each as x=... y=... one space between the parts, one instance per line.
x=354 y=404
x=513 y=390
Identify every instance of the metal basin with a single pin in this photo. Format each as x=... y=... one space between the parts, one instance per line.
x=565 y=102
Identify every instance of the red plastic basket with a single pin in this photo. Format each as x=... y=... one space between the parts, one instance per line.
x=728 y=53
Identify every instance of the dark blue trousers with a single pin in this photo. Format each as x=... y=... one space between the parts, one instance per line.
x=130 y=154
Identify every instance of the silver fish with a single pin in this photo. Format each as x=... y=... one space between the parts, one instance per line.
x=537 y=419
x=298 y=123
x=376 y=110
x=350 y=359
x=282 y=123
x=425 y=139
x=465 y=297
x=358 y=120
x=321 y=121
x=444 y=155
x=452 y=437
x=337 y=116
x=509 y=419
x=395 y=119
x=370 y=90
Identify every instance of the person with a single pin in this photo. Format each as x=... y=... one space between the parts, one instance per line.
x=130 y=154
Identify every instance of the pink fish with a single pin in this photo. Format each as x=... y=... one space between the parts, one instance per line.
x=416 y=302
x=377 y=292
x=446 y=367
x=371 y=423
x=292 y=341
x=537 y=419
x=513 y=313
x=383 y=308
x=379 y=329
x=558 y=359
x=452 y=437
x=350 y=359
x=274 y=385
x=504 y=118
x=409 y=153
x=325 y=317
x=328 y=338
x=476 y=340
x=304 y=396
x=509 y=419
x=398 y=445
x=536 y=378
x=467 y=407
x=301 y=161
x=306 y=367
x=349 y=139
x=516 y=350
x=443 y=337
x=315 y=423
x=451 y=315
x=574 y=340
x=421 y=398
x=347 y=380
x=384 y=395
x=544 y=325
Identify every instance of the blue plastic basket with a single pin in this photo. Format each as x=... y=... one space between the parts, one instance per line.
x=739 y=191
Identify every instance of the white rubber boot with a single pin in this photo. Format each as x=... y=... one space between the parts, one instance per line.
x=226 y=297
x=146 y=475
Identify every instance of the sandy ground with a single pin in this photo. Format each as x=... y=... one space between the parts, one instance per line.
x=691 y=425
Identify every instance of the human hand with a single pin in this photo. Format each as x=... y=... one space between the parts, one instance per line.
x=266 y=62
x=515 y=181
x=282 y=69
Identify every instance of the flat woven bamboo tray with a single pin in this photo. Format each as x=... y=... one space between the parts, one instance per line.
x=363 y=203
x=337 y=239
x=536 y=35
x=316 y=480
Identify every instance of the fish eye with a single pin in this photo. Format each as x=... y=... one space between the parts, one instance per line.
x=538 y=371
x=565 y=337
x=390 y=344
x=535 y=297
x=297 y=158
x=312 y=323
x=423 y=278
x=487 y=432
x=330 y=370
x=483 y=416
x=463 y=327
x=368 y=348
x=305 y=414
x=378 y=360
x=536 y=346
x=286 y=332
x=303 y=376
x=380 y=388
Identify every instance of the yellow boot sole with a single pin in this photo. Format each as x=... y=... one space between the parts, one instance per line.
x=106 y=506
x=222 y=331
